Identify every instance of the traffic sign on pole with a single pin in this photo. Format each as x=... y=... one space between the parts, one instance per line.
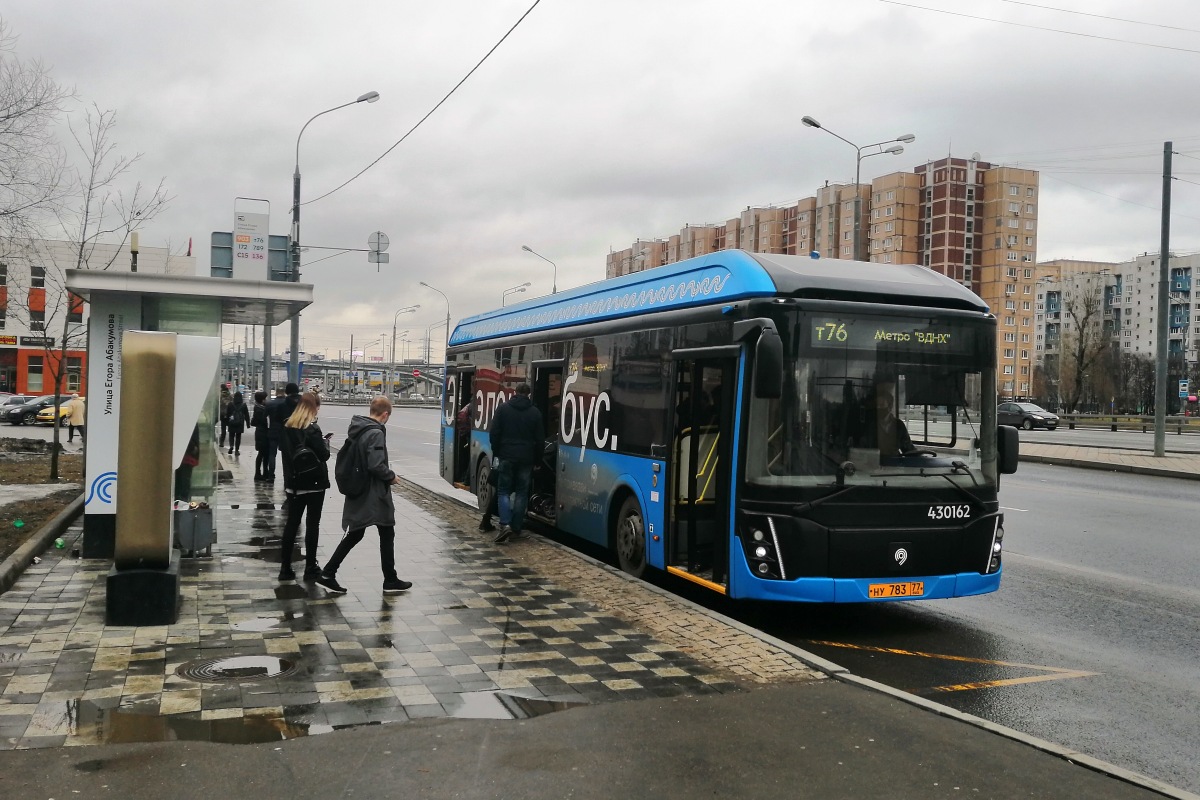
x=1184 y=390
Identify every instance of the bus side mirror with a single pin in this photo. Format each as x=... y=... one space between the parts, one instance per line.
x=768 y=365
x=1007 y=446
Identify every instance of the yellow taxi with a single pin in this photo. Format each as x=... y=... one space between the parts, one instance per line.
x=46 y=415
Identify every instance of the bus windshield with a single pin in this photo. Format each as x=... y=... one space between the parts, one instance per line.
x=878 y=400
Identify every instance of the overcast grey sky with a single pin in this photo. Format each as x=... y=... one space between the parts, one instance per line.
x=599 y=121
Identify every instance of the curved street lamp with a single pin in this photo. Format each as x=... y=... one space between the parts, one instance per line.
x=858 y=151
x=554 y=284
x=447 y=299
x=395 y=317
x=513 y=290
x=294 y=366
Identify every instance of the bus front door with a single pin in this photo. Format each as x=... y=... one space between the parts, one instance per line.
x=698 y=548
x=460 y=415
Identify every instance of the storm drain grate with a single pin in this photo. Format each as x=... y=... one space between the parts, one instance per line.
x=235 y=670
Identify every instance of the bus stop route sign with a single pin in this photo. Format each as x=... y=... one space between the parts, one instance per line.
x=1183 y=388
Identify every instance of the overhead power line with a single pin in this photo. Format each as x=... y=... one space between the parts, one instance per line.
x=430 y=113
x=1041 y=28
x=1102 y=16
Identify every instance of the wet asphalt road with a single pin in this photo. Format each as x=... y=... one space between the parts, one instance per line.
x=1093 y=640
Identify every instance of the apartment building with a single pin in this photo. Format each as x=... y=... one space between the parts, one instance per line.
x=34 y=305
x=970 y=220
x=1125 y=295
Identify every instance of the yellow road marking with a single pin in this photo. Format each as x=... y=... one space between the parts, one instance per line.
x=1050 y=673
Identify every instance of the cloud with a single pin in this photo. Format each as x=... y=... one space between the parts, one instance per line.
x=598 y=123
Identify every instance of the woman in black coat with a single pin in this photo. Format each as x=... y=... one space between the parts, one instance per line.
x=238 y=419
x=306 y=454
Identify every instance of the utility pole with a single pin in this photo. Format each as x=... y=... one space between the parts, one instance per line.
x=1164 y=275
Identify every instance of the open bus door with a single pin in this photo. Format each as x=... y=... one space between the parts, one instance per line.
x=459 y=415
x=547 y=396
x=698 y=544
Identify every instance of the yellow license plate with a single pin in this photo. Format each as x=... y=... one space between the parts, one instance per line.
x=878 y=591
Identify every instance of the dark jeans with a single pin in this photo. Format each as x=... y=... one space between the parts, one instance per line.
x=512 y=488
x=266 y=457
x=224 y=428
x=71 y=432
x=298 y=504
x=387 y=550
x=235 y=440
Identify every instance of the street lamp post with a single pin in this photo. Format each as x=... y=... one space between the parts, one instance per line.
x=395 y=317
x=513 y=290
x=554 y=284
x=447 y=299
x=294 y=365
x=858 y=151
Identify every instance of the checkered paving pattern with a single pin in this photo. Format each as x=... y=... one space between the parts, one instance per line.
x=476 y=625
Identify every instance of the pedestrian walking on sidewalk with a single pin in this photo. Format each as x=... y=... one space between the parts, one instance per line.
x=516 y=436
x=306 y=452
x=258 y=420
x=223 y=412
x=373 y=506
x=238 y=419
x=77 y=418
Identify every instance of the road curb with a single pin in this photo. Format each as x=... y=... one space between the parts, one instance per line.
x=16 y=564
x=1126 y=468
x=838 y=672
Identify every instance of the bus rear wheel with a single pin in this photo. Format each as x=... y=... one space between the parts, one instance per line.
x=485 y=492
x=631 y=538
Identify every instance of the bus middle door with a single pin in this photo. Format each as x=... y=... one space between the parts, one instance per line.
x=698 y=548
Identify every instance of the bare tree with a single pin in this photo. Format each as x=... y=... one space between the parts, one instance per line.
x=31 y=159
x=98 y=208
x=1083 y=342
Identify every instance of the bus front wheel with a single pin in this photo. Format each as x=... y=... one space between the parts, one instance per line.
x=631 y=538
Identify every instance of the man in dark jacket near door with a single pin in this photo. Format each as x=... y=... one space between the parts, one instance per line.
x=516 y=436
x=374 y=506
x=277 y=412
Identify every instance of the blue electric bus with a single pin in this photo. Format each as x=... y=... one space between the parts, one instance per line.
x=768 y=426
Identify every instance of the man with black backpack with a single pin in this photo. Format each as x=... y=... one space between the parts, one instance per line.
x=363 y=474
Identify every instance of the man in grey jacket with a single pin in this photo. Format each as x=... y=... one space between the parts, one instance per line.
x=372 y=507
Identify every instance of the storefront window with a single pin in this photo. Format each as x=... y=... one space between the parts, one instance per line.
x=33 y=381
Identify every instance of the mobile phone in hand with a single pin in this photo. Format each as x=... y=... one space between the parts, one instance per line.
x=328 y=436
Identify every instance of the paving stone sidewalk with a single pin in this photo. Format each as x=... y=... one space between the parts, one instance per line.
x=486 y=631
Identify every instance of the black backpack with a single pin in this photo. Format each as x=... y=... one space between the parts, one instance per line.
x=350 y=470
x=308 y=470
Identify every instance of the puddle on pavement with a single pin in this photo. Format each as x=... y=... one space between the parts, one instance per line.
x=117 y=725
x=236 y=669
x=291 y=591
x=95 y=725
x=258 y=624
x=503 y=705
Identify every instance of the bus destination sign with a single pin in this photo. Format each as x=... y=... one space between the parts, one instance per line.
x=869 y=334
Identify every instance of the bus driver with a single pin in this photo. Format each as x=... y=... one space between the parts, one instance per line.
x=893 y=435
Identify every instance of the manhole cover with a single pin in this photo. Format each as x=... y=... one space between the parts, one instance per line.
x=237 y=669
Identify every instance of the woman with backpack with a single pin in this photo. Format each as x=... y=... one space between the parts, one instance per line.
x=305 y=452
x=239 y=418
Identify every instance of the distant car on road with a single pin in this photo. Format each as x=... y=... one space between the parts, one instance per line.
x=1027 y=416
x=26 y=413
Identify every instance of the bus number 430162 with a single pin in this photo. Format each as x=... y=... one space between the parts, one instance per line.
x=960 y=511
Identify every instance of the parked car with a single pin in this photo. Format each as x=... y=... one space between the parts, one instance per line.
x=1027 y=416
x=8 y=401
x=46 y=415
x=26 y=413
